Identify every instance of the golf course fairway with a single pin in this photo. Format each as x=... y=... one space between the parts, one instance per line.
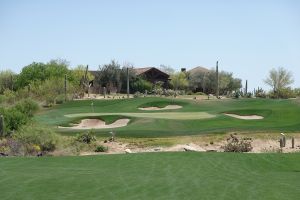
x=185 y=175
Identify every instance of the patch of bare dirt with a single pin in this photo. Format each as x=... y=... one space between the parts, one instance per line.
x=259 y=146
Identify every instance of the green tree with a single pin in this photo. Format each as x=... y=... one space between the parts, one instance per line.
x=77 y=74
x=179 y=81
x=57 y=68
x=112 y=76
x=7 y=80
x=30 y=73
x=141 y=85
x=41 y=72
x=279 y=79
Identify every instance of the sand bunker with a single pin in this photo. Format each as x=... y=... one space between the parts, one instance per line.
x=245 y=117
x=168 y=107
x=97 y=124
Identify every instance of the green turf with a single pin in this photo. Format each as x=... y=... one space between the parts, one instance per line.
x=152 y=176
x=279 y=116
x=163 y=115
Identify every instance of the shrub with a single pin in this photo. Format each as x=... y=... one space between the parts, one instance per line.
x=260 y=93
x=200 y=93
x=10 y=96
x=248 y=95
x=137 y=94
x=101 y=148
x=189 y=92
x=34 y=135
x=13 y=119
x=297 y=92
x=27 y=107
x=158 y=91
x=60 y=99
x=15 y=147
x=169 y=92
x=236 y=95
x=236 y=145
x=87 y=137
x=141 y=85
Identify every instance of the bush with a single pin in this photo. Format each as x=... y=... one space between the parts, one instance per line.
x=283 y=94
x=101 y=148
x=13 y=119
x=236 y=95
x=34 y=137
x=169 y=92
x=236 y=145
x=248 y=95
x=141 y=85
x=260 y=93
x=87 y=137
x=200 y=93
x=60 y=99
x=137 y=94
x=27 y=107
x=10 y=96
x=158 y=91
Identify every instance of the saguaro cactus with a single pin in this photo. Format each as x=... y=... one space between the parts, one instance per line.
x=65 y=87
x=217 y=79
x=1 y=126
x=246 y=88
x=127 y=70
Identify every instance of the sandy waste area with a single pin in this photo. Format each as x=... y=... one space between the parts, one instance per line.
x=259 y=146
x=98 y=124
x=245 y=117
x=168 y=107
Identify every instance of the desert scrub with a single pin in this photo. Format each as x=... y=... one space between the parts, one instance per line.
x=236 y=145
x=86 y=137
x=101 y=148
x=35 y=137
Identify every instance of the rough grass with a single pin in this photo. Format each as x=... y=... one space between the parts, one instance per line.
x=152 y=176
x=279 y=116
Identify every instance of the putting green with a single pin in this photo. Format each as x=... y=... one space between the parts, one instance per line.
x=162 y=115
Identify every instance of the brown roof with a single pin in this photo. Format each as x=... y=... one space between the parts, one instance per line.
x=139 y=71
x=198 y=69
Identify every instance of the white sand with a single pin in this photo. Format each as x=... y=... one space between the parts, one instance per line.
x=168 y=107
x=245 y=117
x=98 y=124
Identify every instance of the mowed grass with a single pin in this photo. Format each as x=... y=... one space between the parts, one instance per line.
x=185 y=175
x=194 y=118
x=163 y=115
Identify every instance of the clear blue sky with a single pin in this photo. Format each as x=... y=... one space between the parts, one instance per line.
x=247 y=37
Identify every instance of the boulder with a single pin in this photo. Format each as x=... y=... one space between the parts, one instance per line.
x=128 y=151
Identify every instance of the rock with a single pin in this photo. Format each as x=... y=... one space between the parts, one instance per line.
x=128 y=151
x=3 y=154
x=189 y=148
x=156 y=149
x=211 y=150
x=39 y=154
